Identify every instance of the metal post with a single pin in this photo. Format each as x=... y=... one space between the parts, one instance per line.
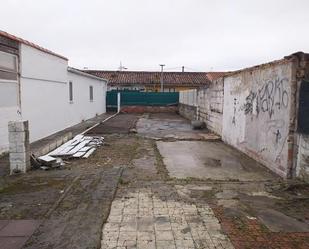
x=118 y=102
x=161 y=78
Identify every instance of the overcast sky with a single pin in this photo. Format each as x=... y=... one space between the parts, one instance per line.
x=202 y=35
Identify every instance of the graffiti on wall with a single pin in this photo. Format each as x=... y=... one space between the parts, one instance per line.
x=269 y=98
x=234 y=114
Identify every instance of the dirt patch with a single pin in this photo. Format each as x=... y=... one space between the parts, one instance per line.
x=248 y=232
x=120 y=124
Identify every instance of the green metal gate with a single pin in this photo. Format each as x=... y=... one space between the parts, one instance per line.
x=136 y=98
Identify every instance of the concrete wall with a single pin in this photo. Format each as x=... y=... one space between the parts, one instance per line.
x=302 y=169
x=45 y=94
x=205 y=104
x=188 y=97
x=302 y=148
x=6 y=114
x=256 y=118
x=187 y=111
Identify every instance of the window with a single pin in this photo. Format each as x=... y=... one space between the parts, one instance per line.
x=71 y=91
x=8 y=66
x=91 y=93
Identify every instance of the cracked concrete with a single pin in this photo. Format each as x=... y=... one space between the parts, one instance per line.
x=212 y=160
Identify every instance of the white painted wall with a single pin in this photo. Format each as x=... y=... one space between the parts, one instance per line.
x=256 y=114
x=81 y=107
x=9 y=110
x=188 y=97
x=45 y=94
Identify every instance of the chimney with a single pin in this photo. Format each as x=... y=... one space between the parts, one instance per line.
x=183 y=69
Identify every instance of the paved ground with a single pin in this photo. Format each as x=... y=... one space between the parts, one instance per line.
x=93 y=203
x=143 y=218
x=209 y=159
x=167 y=126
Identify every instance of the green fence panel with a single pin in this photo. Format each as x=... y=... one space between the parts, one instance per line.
x=111 y=99
x=135 y=98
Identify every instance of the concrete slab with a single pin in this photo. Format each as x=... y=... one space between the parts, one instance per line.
x=12 y=242
x=279 y=222
x=20 y=228
x=170 y=126
x=212 y=160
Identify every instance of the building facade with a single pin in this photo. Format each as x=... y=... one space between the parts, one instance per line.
x=37 y=85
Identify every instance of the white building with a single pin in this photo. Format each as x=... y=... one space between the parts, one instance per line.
x=37 y=85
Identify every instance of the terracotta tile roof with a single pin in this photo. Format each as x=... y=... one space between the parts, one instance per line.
x=125 y=78
x=15 y=38
x=216 y=75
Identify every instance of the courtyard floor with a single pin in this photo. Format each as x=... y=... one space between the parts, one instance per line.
x=155 y=184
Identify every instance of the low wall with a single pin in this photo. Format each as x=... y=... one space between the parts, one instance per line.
x=210 y=106
x=187 y=111
x=204 y=104
x=148 y=109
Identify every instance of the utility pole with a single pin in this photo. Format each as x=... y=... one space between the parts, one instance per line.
x=122 y=67
x=161 y=78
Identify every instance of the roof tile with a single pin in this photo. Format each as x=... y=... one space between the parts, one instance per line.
x=122 y=78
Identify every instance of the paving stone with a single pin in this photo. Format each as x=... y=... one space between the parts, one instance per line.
x=164 y=235
x=115 y=218
x=145 y=223
x=166 y=244
x=108 y=244
x=146 y=236
x=125 y=235
x=146 y=244
x=161 y=223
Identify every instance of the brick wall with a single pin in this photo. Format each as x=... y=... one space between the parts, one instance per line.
x=148 y=109
x=205 y=105
x=210 y=106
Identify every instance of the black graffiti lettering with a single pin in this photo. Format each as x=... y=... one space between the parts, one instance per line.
x=269 y=98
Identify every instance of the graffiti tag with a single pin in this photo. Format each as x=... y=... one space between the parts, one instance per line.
x=270 y=97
